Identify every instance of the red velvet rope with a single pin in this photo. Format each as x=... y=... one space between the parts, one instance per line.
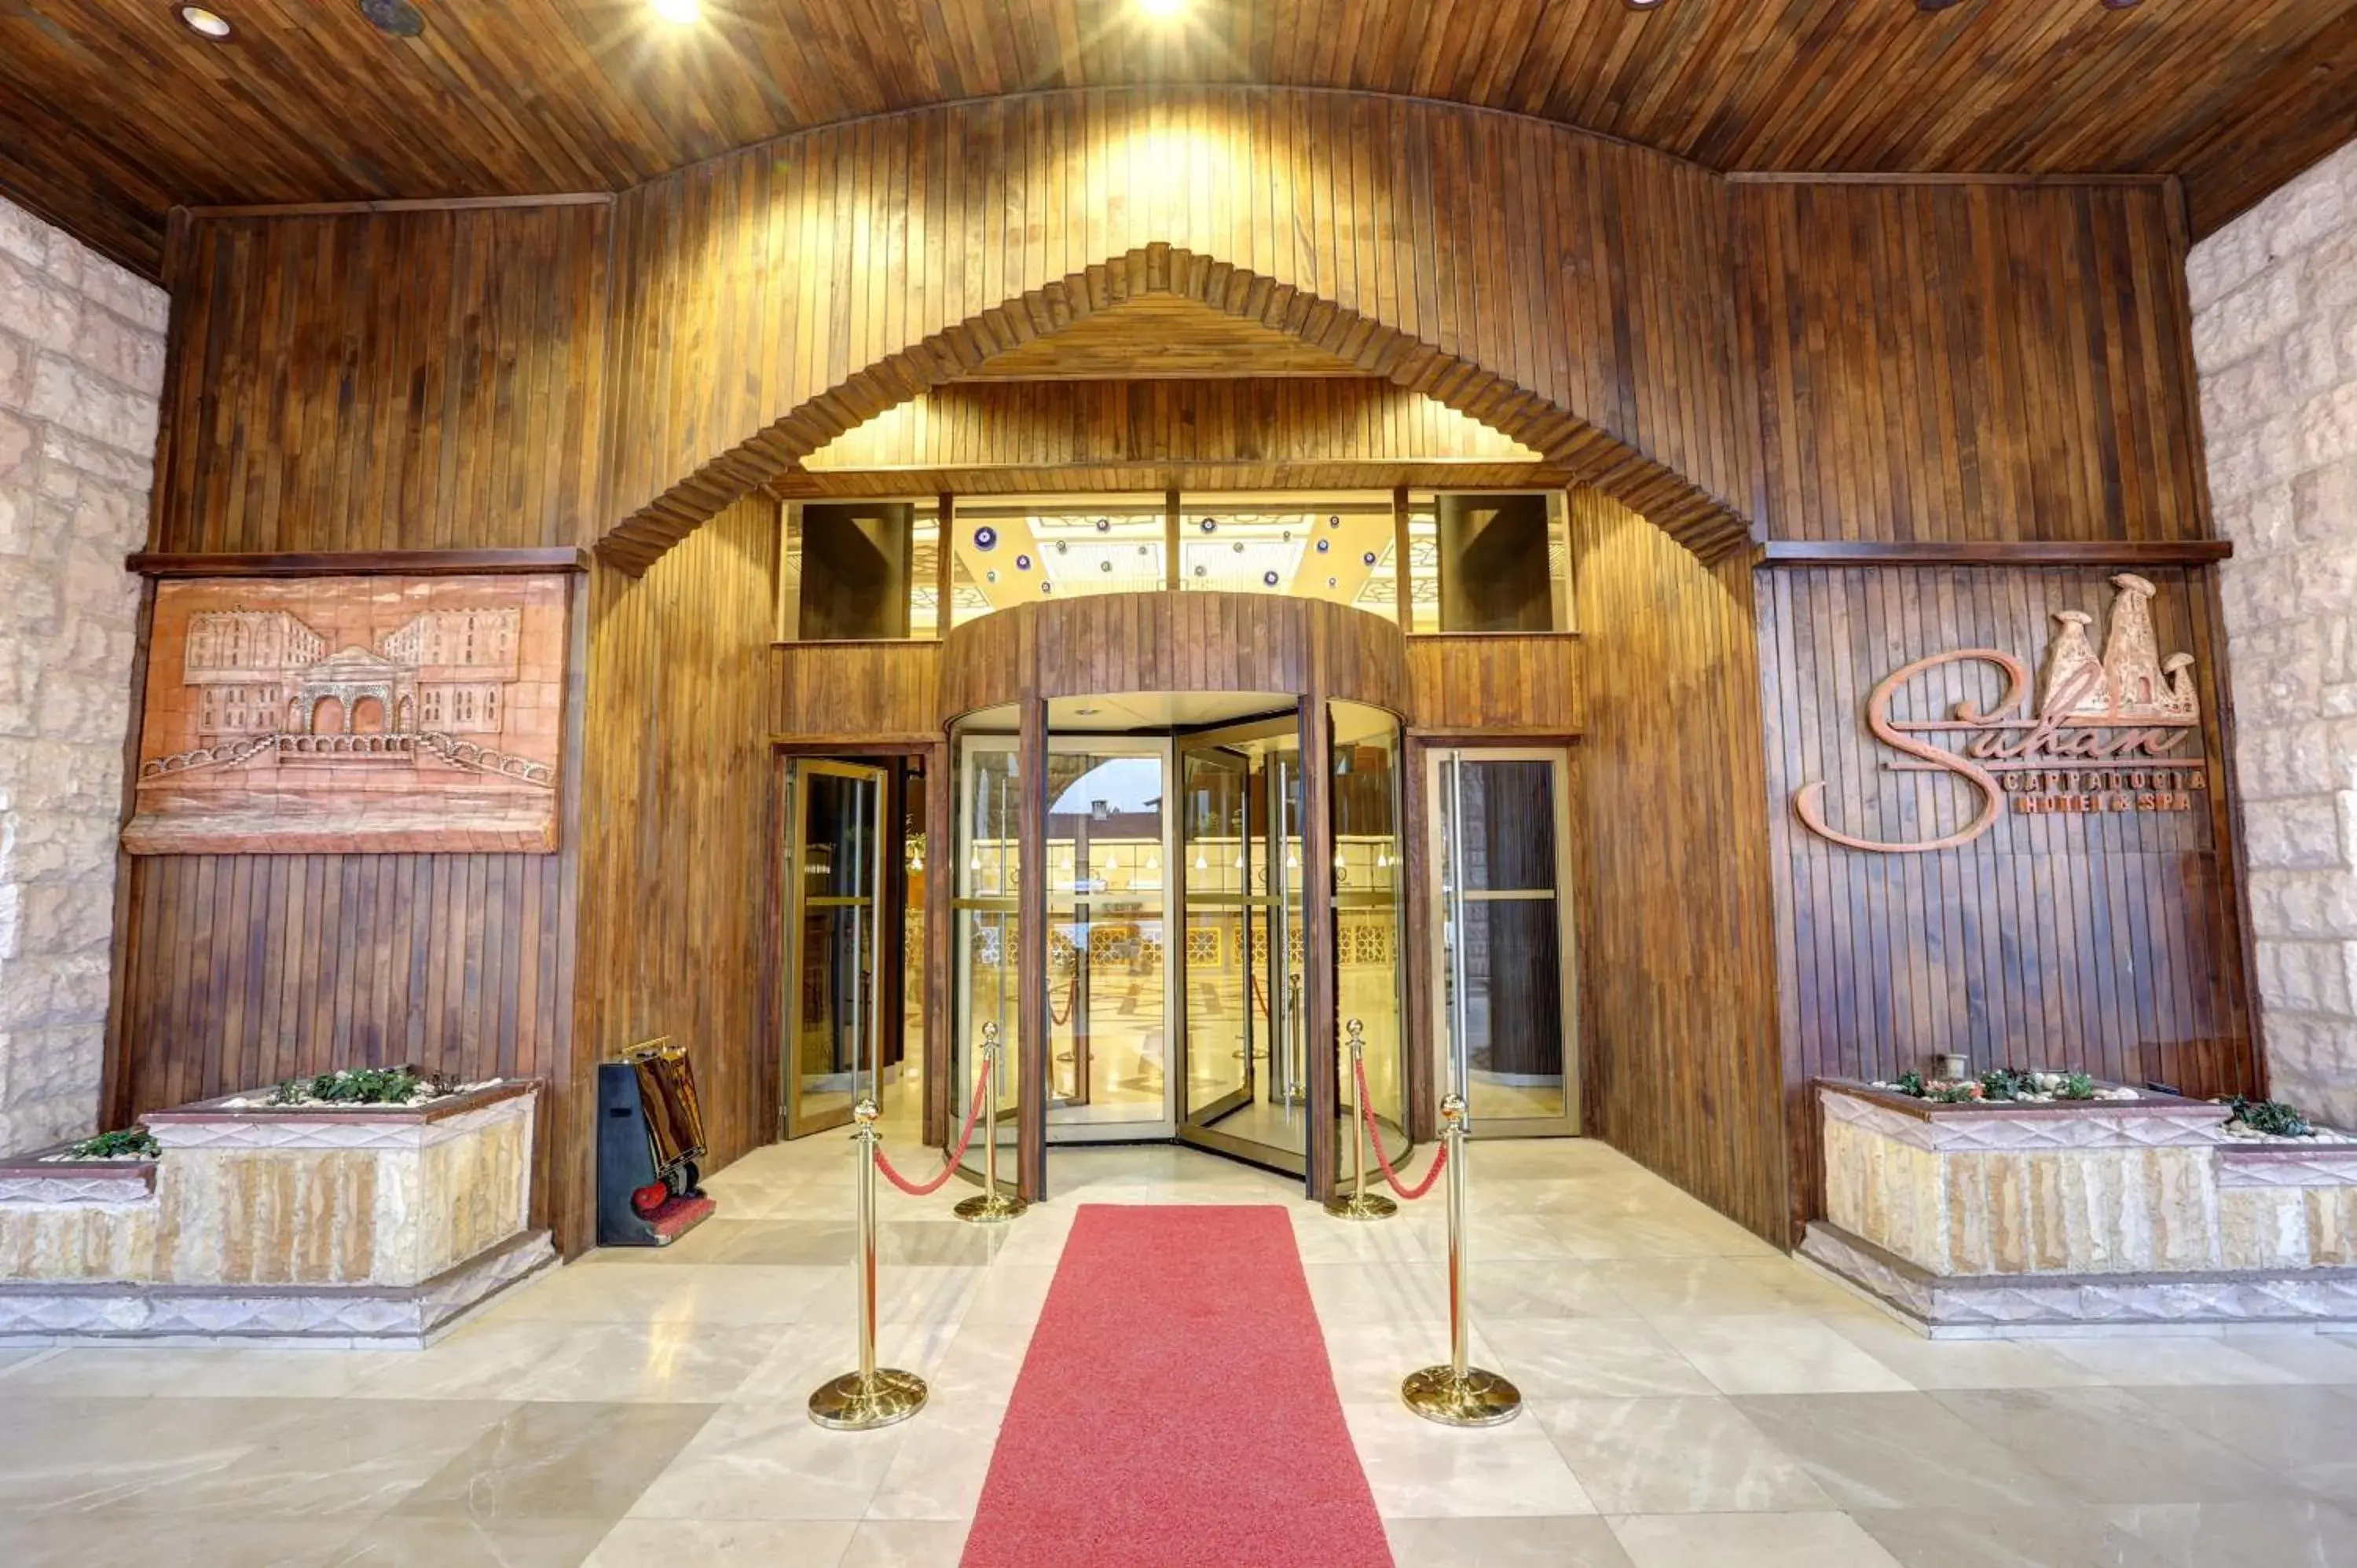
x=1071 y=994
x=965 y=1139
x=1376 y=1136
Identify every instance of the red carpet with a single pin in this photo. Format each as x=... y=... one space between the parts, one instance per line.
x=1176 y=1408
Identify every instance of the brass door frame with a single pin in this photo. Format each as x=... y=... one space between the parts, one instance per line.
x=1440 y=814
x=793 y=1122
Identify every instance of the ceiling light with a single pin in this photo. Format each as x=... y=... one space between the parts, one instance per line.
x=1162 y=10
x=395 y=18
x=211 y=24
x=1641 y=5
x=679 y=13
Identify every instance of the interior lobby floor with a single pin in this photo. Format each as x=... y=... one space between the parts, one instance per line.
x=1694 y=1400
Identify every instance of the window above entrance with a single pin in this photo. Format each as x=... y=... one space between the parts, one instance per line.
x=879 y=569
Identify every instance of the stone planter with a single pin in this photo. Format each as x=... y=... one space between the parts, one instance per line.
x=372 y=1222
x=2011 y=1216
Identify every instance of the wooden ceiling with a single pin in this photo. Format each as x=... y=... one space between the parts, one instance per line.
x=111 y=112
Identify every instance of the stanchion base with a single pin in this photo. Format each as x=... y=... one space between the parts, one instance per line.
x=1366 y=1205
x=1478 y=1399
x=857 y=1402
x=990 y=1209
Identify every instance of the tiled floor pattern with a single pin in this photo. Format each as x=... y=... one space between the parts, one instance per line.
x=1694 y=1400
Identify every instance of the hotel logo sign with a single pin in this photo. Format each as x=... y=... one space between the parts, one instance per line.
x=2117 y=733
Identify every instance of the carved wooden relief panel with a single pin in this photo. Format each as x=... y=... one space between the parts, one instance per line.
x=343 y=714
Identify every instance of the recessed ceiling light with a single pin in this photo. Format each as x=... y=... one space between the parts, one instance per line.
x=679 y=13
x=1641 y=5
x=1162 y=9
x=211 y=24
x=395 y=18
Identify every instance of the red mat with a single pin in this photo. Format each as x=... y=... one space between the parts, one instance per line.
x=1176 y=1408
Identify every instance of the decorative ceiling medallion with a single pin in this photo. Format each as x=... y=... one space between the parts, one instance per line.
x=2101 y=737
x=395 y=18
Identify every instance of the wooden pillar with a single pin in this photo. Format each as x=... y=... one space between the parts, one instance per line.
x=1318 y=955
x=944 y=577
x=1031 y=943
x=1170 y=538
x=1403 y=596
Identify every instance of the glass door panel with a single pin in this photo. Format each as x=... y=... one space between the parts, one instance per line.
x=834 y=873
x=988 y=870
x=1106 y=852
x=1506 y=1003
x=1241 y=966
x=1368 y=915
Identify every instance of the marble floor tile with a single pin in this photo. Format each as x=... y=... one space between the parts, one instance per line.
x=404 y=1541
x=2311 y=1358
x=1715 y=1287
x=768 y=1461
x=1379 y=1292
x=1539 y=1289
x=654 y=1293
x=1421 y=1469
x=905 y=1543
x=524 y=1358
x=2162 y=1361
x=1369 y=1359
x=67 y=1540
x=78 y=1455
x=1777 y=1355
x=346 y=1458
x=1962 y=1363
x=2106 y=1445
x=1589 y=1357
x=939 y=1472
x=1896 y=1450
x=724 y=1543
x=1577 y=1541
x=1697 y=1455
x=2307 y=1433
x=134 y=1371
x=2174 y=1535
x=570 y=1459
x=1747 y=1541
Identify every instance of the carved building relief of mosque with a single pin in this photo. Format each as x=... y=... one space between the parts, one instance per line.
x=353 y=715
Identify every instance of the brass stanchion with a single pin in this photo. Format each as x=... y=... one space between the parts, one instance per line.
x=1362 y=1204
x=873 y=1396
x=990 y=1205
x=1459 y=1394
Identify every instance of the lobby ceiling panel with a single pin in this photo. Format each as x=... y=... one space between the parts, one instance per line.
x=111 y=112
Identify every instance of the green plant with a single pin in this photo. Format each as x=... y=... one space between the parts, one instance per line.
x=123 y=1143
x=352 y=1086
x=2269 y=1116
x=1911 y=1082
x=2076 y=1085
x=1955 y=1092
x=2006 y=1083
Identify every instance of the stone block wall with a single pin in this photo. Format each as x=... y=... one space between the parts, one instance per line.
x=82 y=366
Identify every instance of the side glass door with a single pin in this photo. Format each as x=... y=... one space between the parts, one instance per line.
x=833 y=931
x=1500 y=831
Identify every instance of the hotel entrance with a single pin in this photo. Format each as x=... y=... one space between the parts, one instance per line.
x=1180 y=956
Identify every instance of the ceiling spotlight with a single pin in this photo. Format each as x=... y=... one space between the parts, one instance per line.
x=2118 y=5
x=679 y=13
x=211 y=24
x=1933 y=4
x=395 y=18
x=1162 y=10
x=1642 y=5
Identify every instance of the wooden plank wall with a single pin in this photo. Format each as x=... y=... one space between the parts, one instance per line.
x=1268 y=422
x=1960 y=362
x=1174 y=642
x=1678 y=984
x=676 y=864
x=399 y=381
x=2108 y=944
x=856 y=691
x=1504 y=685
x=1572 y=291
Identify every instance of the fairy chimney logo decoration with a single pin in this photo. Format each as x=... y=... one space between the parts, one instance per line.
x=2119 y=733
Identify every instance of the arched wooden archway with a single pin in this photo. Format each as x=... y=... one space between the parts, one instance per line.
x=1571 y=292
